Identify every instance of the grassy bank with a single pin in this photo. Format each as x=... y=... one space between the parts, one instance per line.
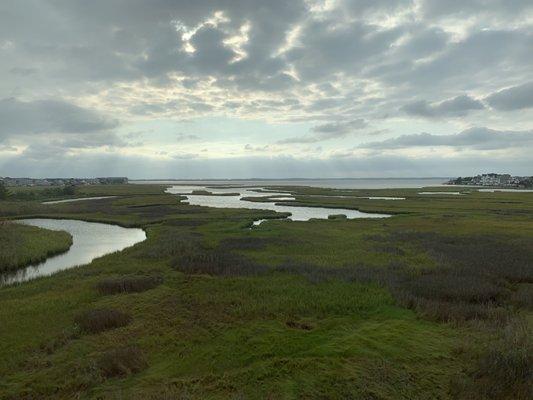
x=433 y=303
x=23 y=245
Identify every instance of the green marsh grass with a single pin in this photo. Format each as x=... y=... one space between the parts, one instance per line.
x=23 y=245
x=320 y=309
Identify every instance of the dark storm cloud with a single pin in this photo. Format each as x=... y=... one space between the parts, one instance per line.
x=456 y=107
x=476 y=138
x=514 y=98
x=49 y=116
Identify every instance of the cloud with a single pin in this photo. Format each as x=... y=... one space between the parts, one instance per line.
x=184 y=156
x=439 y=8
x=183 y=137
x=276 y=66
x=457 y=107
x=261 y=149
x=513 y=98
x=50 y=116
x=476 y=138
x=81 y=165
x=332 y=130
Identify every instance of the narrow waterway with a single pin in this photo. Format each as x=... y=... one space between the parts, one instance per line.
x=89 y=241
x=232 y=197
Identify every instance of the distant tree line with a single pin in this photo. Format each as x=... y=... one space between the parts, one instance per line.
x=3 y=191
x=5 y=194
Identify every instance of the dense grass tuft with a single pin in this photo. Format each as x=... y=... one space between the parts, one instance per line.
x=481 y=255
x=505 y=369
x=245 y=243
x=304 y=326
x=472 y=279
x=217 y=262
x=122 y=361
x=101 y=319
x=128 y=284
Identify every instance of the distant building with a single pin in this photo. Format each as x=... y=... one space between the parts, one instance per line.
x=492 y=179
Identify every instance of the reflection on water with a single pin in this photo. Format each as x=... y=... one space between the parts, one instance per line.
x=506 y=190
x=298 y=213
x=382 y=198
x=451 y=193
x=90 y=240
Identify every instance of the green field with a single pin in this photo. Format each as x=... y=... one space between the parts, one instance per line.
x=432 y=303
x=23 y=245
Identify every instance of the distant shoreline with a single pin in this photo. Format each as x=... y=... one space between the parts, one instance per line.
x=275 y=179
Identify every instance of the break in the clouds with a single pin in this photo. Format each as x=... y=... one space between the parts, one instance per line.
x=186 y=87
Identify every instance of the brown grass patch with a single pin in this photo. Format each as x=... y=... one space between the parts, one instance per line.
x=128 y=284
x=101 y=319
x=122 y=361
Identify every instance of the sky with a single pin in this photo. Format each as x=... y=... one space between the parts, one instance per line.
x=265 y=89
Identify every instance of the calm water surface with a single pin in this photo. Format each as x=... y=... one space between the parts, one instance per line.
x=506 y=190
x=90 y=240
x=298 y=213
x=445 y=193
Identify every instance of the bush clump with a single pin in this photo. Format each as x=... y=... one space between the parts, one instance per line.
x=128 y=284
x=101 y=319
x=122 y=361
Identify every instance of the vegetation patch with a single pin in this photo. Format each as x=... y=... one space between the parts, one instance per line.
x=23 y=245
x=101 y=319
x=122 y=361
x=314 y=309
x=246 y=243
x=337 y=217
x=304 y=326
x=128 y=284
x=505 y=369
x=217 y=262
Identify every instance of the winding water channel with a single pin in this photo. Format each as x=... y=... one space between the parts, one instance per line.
x=222 y=197
x=90 y=240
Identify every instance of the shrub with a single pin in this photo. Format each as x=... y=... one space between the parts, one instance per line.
x=101 y=319
x=337 y=217
x=128 y=284
x=122 y=361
